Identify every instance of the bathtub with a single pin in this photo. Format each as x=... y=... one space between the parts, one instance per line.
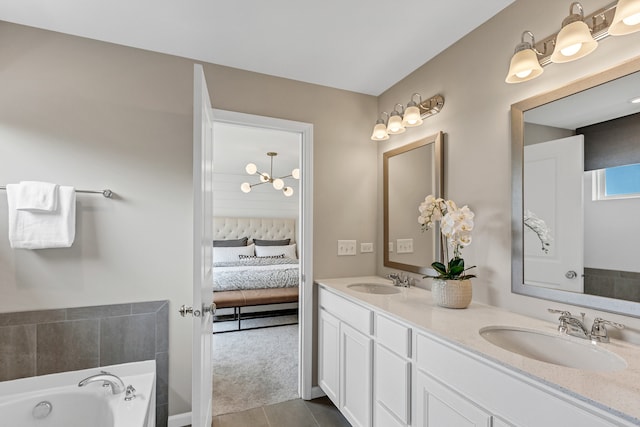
x=25 y=402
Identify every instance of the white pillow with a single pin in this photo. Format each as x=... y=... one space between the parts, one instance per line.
x=225 y=254
x=289 y=251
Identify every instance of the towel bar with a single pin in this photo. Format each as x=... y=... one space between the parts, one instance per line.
x=105 y=193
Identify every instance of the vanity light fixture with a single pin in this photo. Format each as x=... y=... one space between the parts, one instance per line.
x=403 y=117
x=380 y=129
x=524 y=62
x=626 y=19
x=635 y=100
x=278 y=183
x=411 y=115
x=578 y=36
x=574 y=40
x=395 y=125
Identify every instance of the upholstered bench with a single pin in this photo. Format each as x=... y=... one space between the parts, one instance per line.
x=253 y=297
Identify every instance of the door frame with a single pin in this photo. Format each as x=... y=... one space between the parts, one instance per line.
x=305 y=215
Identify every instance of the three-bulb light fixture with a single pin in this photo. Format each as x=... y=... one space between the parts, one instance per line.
x=403 y=117
x=278 y=183
x=577 y=38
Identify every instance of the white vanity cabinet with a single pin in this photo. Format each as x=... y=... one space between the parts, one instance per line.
x=392 y=373
x=345 y=362
x=382 y=371
x=439 y=405
x=455 y=387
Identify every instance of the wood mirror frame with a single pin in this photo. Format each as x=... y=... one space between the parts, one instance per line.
x=436 y=169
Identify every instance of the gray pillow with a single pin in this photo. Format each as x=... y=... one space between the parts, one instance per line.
x=283 y=242
x=230 y=243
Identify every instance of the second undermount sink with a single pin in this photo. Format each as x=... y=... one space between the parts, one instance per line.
x=556 y=349
x=374 y=288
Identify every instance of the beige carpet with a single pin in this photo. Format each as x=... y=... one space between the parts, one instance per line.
x=254 y=368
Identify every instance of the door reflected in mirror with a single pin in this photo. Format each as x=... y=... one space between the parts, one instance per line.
x=411 y=172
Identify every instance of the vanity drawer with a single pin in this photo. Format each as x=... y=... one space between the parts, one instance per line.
x=393 y=335
x=351 y=313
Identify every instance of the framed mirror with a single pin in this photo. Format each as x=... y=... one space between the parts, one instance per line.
x=574 y=213
x=411 y=173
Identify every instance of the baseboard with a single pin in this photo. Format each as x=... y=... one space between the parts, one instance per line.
x=180 y=420
x=317 y=392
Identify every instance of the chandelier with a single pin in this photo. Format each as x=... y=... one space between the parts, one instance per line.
x=278 y=183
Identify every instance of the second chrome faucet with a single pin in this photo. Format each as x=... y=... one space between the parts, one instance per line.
x=574 y=326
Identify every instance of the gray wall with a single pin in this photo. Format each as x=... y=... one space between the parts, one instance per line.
x=470 y=75
x=50 y=341
x=94 y=115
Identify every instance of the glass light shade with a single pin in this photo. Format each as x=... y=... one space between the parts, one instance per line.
x=411 y=117
x=295 y=173
x=288 y=191
x=395 y=125
x=380 y=133
x=574 y=41
x=251 y=168
x=245 y=187
x=524 y=66
x=278 y=184
x=264 y=177
x=626 y=19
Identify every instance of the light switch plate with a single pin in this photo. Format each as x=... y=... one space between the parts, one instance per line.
x=405 y=246
x=346 y=247
x=390 y=246
x=366 y=248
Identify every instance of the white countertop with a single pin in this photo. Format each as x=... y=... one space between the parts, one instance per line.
x=617 y=392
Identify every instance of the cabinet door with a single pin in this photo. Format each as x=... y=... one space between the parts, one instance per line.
x=438 y=405
x=329 y=355
x=392 y=375
x=356 y=372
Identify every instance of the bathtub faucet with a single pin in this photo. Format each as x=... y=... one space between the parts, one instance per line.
x=111 y=380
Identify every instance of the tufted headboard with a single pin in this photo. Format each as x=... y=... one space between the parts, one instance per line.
x=254 y=228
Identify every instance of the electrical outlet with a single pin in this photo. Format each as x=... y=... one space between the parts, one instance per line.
x=366 y=248
x=346 y=247
x=405 y=246
x=390 y=247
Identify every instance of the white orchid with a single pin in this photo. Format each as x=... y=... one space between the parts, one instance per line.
x=456 y=225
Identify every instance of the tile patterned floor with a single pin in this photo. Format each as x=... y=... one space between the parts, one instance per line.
x=293 y=413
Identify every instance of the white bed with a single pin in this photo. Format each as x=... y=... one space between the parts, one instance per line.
x=265 y=283
x=254 y=266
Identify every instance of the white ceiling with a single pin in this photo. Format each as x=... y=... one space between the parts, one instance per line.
x=236 y=145
x=364 y=46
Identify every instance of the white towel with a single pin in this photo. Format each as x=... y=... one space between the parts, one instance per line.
x=42 y=229
x=37 y=196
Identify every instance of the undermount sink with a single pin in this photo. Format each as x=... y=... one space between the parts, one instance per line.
x=555 y=349
x=374 y=288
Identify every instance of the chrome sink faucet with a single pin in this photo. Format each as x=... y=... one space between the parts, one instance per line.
x=599 y=331
x=571 y=325
x=107 y=379
x=400 y=279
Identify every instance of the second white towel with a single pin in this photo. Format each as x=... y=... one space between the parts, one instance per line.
x=37 y=196
x=42 y=229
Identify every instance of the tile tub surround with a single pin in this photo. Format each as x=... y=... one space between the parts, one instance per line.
x=50 y=341
x=612 y=284
x=612 y=392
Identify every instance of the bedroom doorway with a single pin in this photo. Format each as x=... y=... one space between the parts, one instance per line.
x=290 y=140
